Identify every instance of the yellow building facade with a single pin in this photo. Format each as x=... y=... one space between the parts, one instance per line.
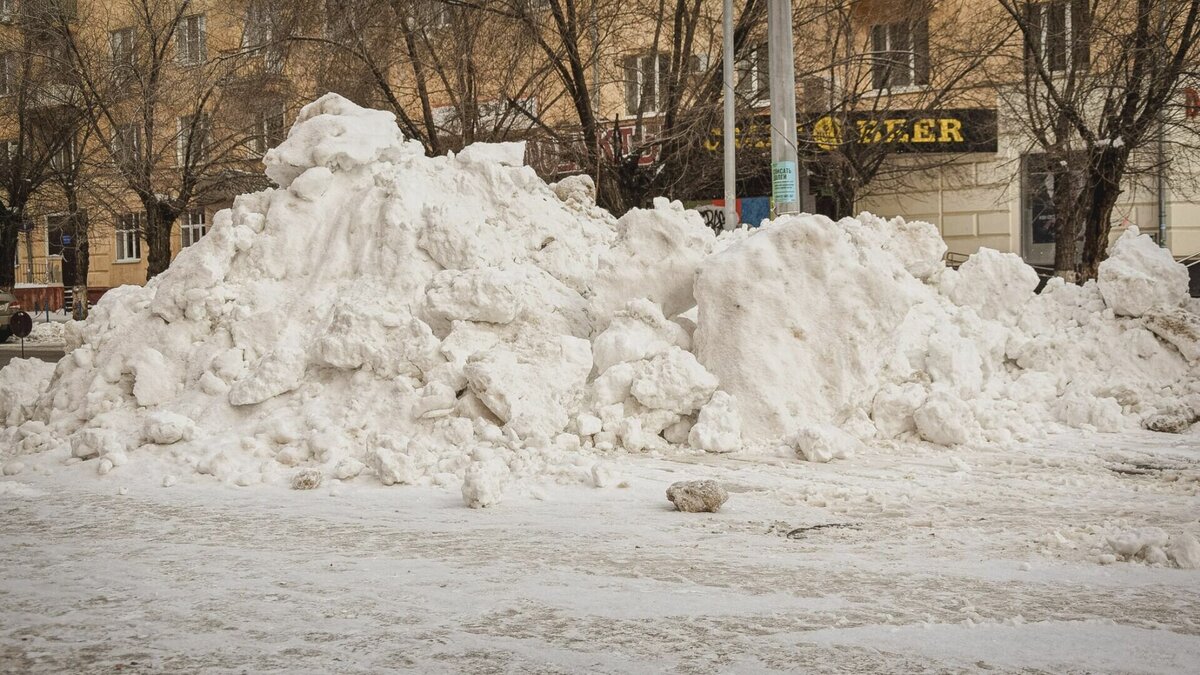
x=978 y=194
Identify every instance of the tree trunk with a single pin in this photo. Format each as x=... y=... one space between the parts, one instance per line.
x=845 y=194
x=82 y=259
x=1103 y=188
x=1068 y=220
x=160 y=218
x=8 y=248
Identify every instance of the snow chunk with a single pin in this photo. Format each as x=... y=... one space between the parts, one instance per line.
x=797 y=322
x=510 y=153
x=1139 y=275
x=719 y=428
x=483 y=484
x=637 y=332
x=165 y=428
x=996 y=285
x=655 y=256
x=154 y=377
x=1185 y=551
x=945 y=419
x=531 y=385
x=823 y=443
x=1179 y=327
x=22 y=381
x=335 y=133
x=675 y=381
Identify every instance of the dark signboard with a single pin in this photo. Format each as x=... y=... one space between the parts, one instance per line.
x=902 y=131
x=20 y=325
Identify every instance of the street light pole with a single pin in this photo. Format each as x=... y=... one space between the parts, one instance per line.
x=727 y=134
x=785 y=197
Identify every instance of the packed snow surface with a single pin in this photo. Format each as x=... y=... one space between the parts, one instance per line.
x=455 y=321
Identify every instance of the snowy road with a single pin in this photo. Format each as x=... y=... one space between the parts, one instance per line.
x=941 y=561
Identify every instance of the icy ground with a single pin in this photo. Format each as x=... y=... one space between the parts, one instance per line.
x=935 y=560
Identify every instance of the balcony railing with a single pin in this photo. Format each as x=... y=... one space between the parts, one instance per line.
x=40 y=272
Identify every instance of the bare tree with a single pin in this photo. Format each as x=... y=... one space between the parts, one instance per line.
x=1100 y=83
x=875 y=84
x=39 y=123
x=451 y=73
x=169 y=103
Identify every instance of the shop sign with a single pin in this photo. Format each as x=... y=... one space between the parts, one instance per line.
x=902 y=131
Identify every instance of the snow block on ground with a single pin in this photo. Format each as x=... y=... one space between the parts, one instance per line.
x=1139 y=275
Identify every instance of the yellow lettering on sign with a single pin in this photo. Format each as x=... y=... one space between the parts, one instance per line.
x=951 y=131
x=827 y=133
x=923 y=131
x=868 y=131
x=895 y=131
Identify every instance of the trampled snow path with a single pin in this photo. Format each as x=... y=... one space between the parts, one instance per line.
x=948 y=560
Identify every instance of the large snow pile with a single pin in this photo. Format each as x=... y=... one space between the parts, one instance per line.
x=455 y=320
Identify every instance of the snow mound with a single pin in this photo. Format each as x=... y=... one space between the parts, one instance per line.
x=455 y=321
x=1140 y=275
x=809 y=323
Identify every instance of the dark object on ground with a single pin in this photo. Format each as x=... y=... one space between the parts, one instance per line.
x=801 y=531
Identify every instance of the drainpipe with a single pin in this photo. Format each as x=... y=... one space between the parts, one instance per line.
x=1162 y=185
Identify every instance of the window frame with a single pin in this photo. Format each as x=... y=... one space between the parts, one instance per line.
x=8 y=75
x=185 y=43
x=755 y=69
x=184 y=126
x=636 y=88
x=126 y=154
x=136 y=219
x=899 y=43
x=188 y=227
x=263 y=138
x=1072 y=45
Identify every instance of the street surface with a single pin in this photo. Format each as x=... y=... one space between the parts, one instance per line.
x=907 y=559
x=12 y=350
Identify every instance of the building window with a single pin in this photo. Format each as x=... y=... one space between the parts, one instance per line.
x=195 y=227
x=536 y=6
x=900 y=54
x=272 y=128
x=193 y=139
x=752 y=79
x=63 y=159
x=434 y=14
x=1057 y=34
x=8 y=151
x=129 y=237
x=120 y=43
x=190 y=39
x=645 y=80
x=127 y=145
x=8 y=74
x=261 y=18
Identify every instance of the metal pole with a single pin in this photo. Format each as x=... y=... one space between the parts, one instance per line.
x=785 y=197
x=28 y=254
x=1162 y=185
x=727 y=134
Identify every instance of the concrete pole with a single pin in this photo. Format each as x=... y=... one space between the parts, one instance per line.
x=785 y=193
x=727 y=134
